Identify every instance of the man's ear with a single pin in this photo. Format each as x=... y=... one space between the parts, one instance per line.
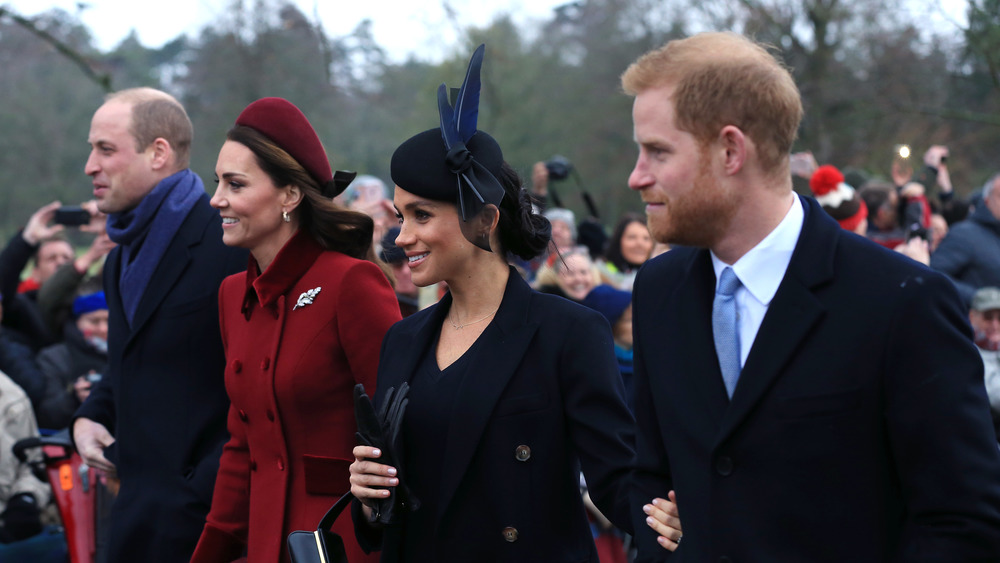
x=736 y=146
x=162 y=154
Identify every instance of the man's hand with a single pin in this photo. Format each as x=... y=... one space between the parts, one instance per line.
x=38 y=227
x=934 y=155
x=82 y=387
x=98 y=221
x=91 y=438
x=902 y=173
x=98 y=249
x=917 y=249
x=803 y=164
x=540 y=179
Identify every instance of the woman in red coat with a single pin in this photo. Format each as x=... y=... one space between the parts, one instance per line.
x=300 y=328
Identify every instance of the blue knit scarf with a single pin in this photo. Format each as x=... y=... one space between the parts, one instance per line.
x=150 y=227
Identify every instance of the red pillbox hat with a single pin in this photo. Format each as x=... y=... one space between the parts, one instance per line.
x=286 y=125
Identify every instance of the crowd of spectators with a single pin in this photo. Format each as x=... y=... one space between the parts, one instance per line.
x=53 y=338
x=53 y=347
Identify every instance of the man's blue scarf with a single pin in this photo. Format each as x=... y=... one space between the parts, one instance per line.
x=145 y=232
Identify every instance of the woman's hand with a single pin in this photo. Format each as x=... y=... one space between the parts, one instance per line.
x=367 y=474
x=663 y=518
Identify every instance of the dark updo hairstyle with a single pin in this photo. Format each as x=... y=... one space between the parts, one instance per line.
x=522 y=232
x=332 y=226
x=614 y=252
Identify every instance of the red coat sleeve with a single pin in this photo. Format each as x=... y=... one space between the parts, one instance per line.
x=369 y=308
x=220 y=542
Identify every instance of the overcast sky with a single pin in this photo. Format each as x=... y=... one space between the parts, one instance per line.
x=400 y=26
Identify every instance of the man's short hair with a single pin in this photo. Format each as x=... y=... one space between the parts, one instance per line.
x=720 y=79
x=156 y=114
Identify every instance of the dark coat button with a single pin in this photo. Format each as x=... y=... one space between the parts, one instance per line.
x=270 y=415
x=522 y=453
x=237 y=366
x=510 y=534
x=266 y=363
x=243 y=415
x=724 y=466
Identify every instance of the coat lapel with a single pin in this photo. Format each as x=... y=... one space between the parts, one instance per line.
x=506 y=342
x=694 y=334
x=791 y=315
x=112 y=273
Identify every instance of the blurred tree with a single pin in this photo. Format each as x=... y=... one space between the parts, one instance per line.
x=268 y=48
x=45 y=107
x=872 y=74
x=982 y=37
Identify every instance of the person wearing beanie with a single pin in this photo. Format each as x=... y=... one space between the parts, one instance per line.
x=157 y=417
x=300 y=327
x=510 y=391
x=616 y=306
x=839 y=199
x=73 y=366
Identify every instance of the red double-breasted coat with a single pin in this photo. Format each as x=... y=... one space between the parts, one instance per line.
x=297 y=337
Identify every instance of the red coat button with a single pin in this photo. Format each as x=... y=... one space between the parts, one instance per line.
x=265 y=364
x=237 y=366
x=243 y=415
x=253 y=465
x=281 y=464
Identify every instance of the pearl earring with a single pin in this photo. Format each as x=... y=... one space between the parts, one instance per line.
x=285 y=217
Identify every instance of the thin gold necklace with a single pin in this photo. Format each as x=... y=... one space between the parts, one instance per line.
x=461 y=326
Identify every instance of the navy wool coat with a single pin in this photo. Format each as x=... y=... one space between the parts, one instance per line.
x=859 y=429
x=546 y=379
x=163 y=397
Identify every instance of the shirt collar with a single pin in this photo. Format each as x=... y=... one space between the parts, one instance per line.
x=762 y=268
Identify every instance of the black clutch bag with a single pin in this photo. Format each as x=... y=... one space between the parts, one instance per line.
x=321 y=546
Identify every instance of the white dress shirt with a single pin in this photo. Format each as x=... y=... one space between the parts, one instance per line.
x=761 y=270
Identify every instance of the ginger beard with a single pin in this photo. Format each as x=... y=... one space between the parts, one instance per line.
x=699 y=216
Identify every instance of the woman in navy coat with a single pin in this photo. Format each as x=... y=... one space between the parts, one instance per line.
x=512 y=392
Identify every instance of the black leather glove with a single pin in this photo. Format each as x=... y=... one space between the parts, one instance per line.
x=22 y=518
x=382 y=430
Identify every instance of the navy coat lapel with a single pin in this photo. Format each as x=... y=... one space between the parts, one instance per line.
x=694 y=333
x=507 y=340
x=112 y=274
x=400 y=364
x=791 y=315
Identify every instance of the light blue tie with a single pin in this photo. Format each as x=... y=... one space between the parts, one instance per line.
x=725 y=330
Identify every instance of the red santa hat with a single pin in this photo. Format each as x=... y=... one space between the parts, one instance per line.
x=840 y=200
